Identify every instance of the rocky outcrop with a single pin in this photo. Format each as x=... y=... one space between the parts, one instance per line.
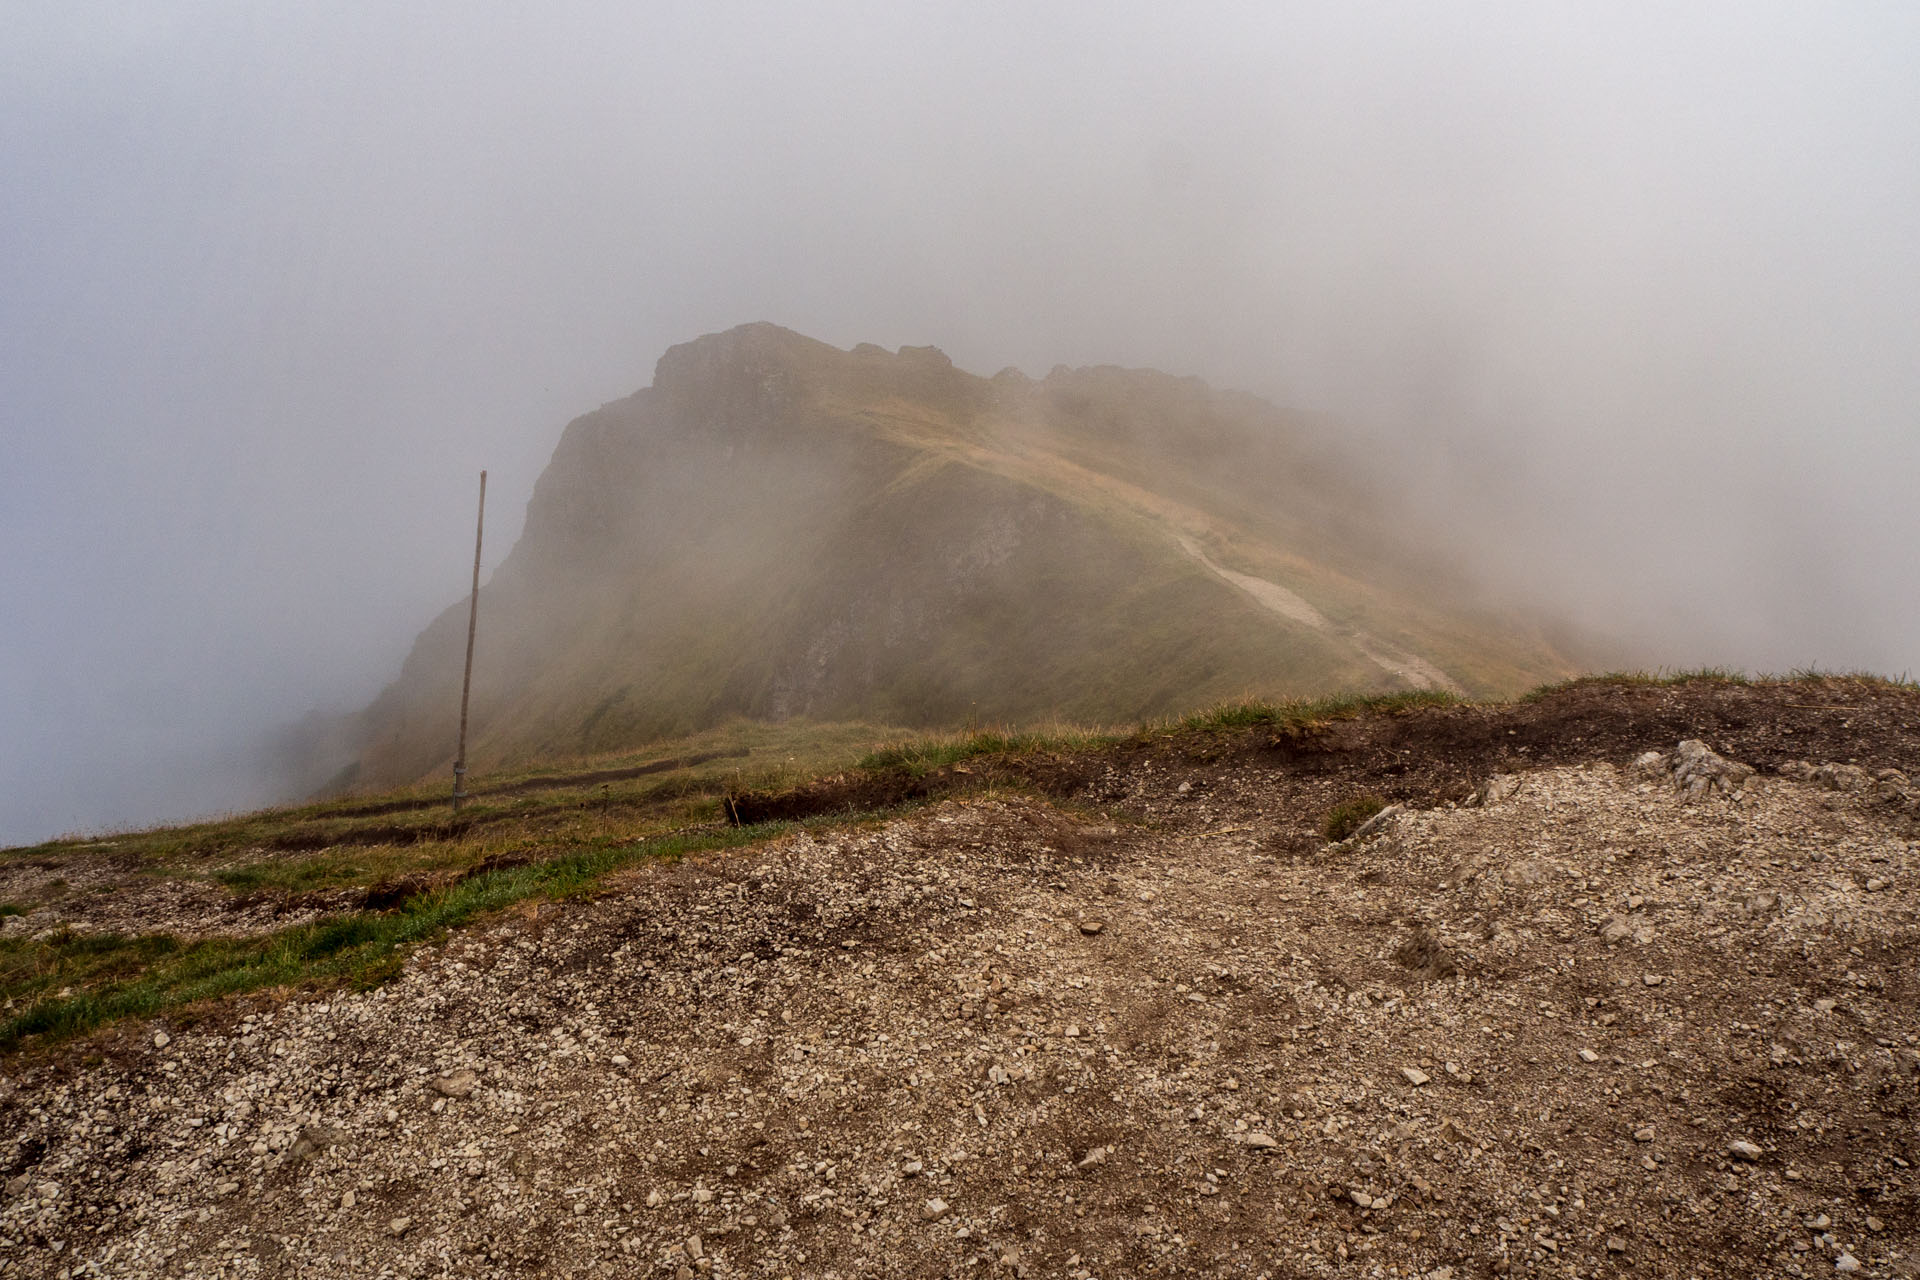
x=1694 y=769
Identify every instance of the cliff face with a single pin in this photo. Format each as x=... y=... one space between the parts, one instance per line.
x=779 y=528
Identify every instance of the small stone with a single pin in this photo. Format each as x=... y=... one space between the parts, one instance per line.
x=702 y=1196
x=398 y=1226
x=314 y=1139
x=695 y=1249
x=1094 y=1157
x=1415 y=1076
x=1846 y=1262
x=1823 y=1006
x=460 y=1084
x=1878 y=883
x=934 y=1209
x=1743 y=1150
x=1073 y=1031
x=1361 y=1198
x=1643 y=1134
x=348 y=1199
x=911 y=1169
x=1616 y=1244
x=1653 y=979
x=655 y=1199
x=1262 y=1141
x=1588 y=1055
x=226 y=1188
x=161 y=1039
x=620 y=1060
x=1091 y=927
x=1874 y=1224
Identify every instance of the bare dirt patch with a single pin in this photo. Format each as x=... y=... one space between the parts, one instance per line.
x=1586 y=1025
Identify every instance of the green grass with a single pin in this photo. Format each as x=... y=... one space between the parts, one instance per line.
x=75 y=983
x=923 y=755
x=1346 y=817
x=1305 y=712
x=564 y=838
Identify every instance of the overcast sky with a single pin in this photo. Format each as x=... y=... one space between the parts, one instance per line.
x=1631 y=292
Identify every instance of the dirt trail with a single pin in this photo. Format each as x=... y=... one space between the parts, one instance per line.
x=1276 y=599
x=1585 y=1025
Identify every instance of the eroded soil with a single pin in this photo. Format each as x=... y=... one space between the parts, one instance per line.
x=1552 y=1018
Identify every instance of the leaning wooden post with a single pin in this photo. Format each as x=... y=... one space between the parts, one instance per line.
x=466 y=682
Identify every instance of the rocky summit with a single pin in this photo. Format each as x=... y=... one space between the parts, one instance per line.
x=1620 y=981
x=777 y=528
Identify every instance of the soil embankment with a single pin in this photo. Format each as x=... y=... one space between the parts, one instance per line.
x=1557 y=1016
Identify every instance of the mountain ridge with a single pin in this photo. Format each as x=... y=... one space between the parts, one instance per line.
x=776 y=527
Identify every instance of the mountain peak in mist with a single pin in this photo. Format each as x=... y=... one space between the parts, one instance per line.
x=777 y=527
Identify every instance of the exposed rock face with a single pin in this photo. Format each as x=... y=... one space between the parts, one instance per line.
x=779 y=528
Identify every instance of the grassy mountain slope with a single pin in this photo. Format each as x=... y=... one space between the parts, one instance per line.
x=777 y=528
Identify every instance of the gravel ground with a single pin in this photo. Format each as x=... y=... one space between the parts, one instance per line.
x=115 y=895
x=1588 y=1024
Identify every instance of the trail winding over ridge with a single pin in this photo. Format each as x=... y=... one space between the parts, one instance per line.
x=1276 y=599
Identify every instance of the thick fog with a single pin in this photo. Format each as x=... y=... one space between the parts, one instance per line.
x=1628 y=295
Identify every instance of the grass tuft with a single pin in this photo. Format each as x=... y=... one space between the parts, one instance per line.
x=1347 y=817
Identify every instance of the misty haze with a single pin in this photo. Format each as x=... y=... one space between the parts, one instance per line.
x=1626 y=306
x=1110 y=640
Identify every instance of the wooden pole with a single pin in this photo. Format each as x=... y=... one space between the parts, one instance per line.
x=466 y=682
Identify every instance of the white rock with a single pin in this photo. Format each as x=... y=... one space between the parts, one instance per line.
x=161 y=1039
x=1743 y=1150
x=460 y=1084
x=1415 y=1076
x=934 y=1209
